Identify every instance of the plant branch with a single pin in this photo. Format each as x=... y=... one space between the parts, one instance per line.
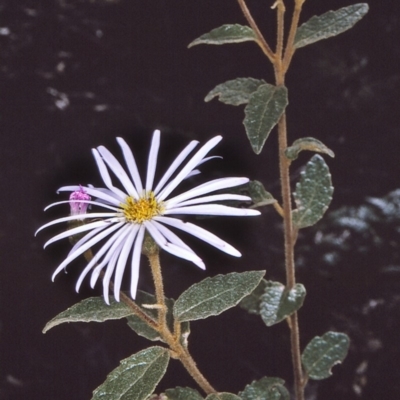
x=260 y=38
x=290 y=49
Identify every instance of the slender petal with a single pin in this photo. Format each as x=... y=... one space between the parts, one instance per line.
x=189 y=166
x=215 y=197
x=137 y=250
x=109 y=272
x=76 y=217
x=123 y=256
x=100 y=194
x=105 y=175
x=111 y=244
x=75 y=231
x=119 y=172
x=95 y=203
x=212 y=209
x=205 y=188
x=131 y=164
x=83 y=248
x=152 y=162
x=200 y=233
x=172 y=248
x=174 y=166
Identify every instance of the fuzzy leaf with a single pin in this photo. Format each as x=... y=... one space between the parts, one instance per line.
x=93 y=309
x=226 y=34
x=251 y=303
x=277 y=303
x=329 y=24
x=236 y=91
x=136 y=377
x=222 y=396
x=142 y=329
x=313 y=193
x=214 y=295
x=265 y=389
x=322 y=353
x=307 y=143
x=183 y=393
x=263 y=111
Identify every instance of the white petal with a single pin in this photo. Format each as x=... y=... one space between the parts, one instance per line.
x=171 y=237
x=208 y=159
x=121 y=264
x=152 y=162
x=172 y=248
x=192 y=163
x=176 y=163
x=131 y=164
x=113 y=243
x=212 y=209
x=96 y=203
x=215 y=197
x=109 y=272
x=193 y=173
x=75 y=217
x=116 y=237
x=79 y=229
x=93 y=192
x=200 y=233
x=119 y=172
x=137 y=251
x=83 y=240
x=216 y=184
x=105 y=175
x=85 y=247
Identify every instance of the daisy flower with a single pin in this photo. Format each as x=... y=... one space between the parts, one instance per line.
x=134 y=208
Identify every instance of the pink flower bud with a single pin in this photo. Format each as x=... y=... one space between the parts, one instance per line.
x=75 y=201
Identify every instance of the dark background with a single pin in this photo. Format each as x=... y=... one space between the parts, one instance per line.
x=75 y=74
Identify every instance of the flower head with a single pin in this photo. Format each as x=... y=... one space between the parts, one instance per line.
x=135 y=208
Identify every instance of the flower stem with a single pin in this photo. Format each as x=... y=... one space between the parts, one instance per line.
x=173 y=339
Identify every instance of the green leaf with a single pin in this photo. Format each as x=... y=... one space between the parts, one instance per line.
x=236 y=91
x=262 y=113
x=277 y=302
x=259 y=195
x=142 y=329
x=313 y=193
x=265 y=389
x=251 y=303
x=93 y=309
x=226 y=34
x=214 y=295
x=136 y=377
x=322 y=353
x=329 y=24
x=307 y=143
x=222 y=396
x=183 y=393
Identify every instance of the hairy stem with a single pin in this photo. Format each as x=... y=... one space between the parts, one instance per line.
x=173 y=339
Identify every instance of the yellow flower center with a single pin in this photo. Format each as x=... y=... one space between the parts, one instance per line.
x=142 y=209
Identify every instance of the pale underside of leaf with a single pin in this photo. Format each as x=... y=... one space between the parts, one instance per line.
x=329 y=24
x=226 y=34
x=307 y=143
x=236 y=91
